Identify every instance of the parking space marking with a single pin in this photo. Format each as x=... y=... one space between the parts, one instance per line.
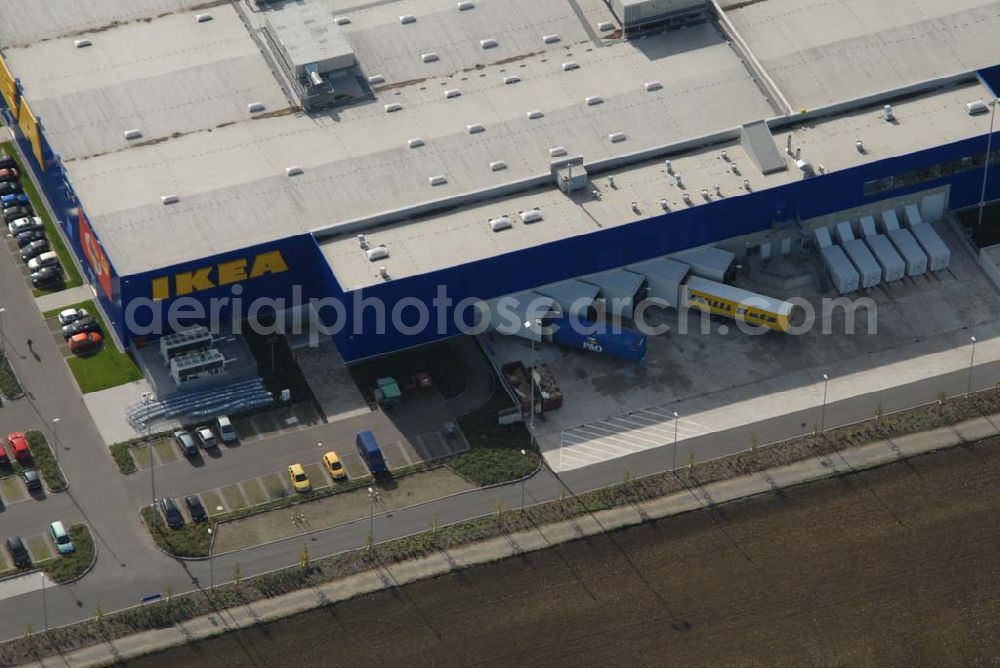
x=233 y=496
x=12 y=490
x=317 y=475
x=39 y=547
x=620 y=435
x=253 y=491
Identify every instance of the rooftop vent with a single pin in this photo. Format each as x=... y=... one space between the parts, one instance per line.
x=652 y=85
x=557 y=151
x=570 y=65
x=80 y=43
x=169 y=199
x=394 y=106
x=594 y=99
x=890 y=115
x=475 y=128
x=383 y=272
x=500 y=223
x=362 y=242
x=407 y=18
x=255 y=107
x=488 y=43
x=616 y=137
x=452 y=92
x=438 y=180
x=377 y=253
x=977 y=107
x=428 y=57
x=498 y=165
x=132 y=134
x=550 y=39
x=341 y=20
x=465 y=6
x=535 y=113
x=416 y=142
x=605 y=26
x=201 y=18
x=530 y=216
x=511 y=80
x=376 y=79
x=294 y=170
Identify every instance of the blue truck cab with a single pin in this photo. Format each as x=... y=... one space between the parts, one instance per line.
x=371 y=453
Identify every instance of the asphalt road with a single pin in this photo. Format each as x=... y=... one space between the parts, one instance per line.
x=129 y=566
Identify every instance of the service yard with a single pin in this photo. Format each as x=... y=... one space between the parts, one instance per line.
x=895 y=566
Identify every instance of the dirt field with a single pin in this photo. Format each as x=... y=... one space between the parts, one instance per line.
x=896 y=566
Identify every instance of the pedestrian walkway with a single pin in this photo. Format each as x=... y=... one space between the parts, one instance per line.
x=64 y=298
x=330 y=382
x=713 y=494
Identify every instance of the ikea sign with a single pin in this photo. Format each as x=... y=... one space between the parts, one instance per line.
x=216 y=275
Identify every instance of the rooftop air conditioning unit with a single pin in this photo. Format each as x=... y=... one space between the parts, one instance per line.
x=977 y=107
x=500 y=223
x=377 y=253
x=530 y=216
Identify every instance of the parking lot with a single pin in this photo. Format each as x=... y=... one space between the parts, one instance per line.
x=39 y=546
x=13 y=491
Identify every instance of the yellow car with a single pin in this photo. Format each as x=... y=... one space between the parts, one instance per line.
x=300 y=481
x=333 y=466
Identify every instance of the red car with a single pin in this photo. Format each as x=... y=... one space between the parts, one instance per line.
x=19 y=446
x=4 y=459
x=84 y=342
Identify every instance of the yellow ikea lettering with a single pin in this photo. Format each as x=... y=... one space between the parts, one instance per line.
x=268 y=263
x=193 y=281
x=232 y=272
x=224 y=273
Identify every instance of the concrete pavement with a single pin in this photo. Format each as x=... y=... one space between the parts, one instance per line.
x=394 y=575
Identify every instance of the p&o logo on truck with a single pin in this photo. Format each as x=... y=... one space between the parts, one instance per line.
x=591 y=344
x=223 y=273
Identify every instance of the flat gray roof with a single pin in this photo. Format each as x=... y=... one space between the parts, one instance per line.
x=186 y=87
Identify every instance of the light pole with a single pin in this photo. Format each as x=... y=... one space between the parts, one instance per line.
x=55 y=438
x=972 y=360
x=211 y=562
x=531 y=379
x=986 y=165
x=372 y=498
x=3 y=339
x=674 y=467
x=523 y=481
x=45 y=607
x=147 y=400
x=822 y=415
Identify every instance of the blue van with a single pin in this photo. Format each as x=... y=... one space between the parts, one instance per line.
x=371 y=453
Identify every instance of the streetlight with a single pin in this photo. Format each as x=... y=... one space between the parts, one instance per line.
x=986 y=164
x=534 y=363
x=147 y=399
x=372 y=498
x=822 y=415
x=55 y=438
x=674 y=467
x=523 y=480
x=211 y=562
x=45 y=607
x=3 y=339
x=972 y=359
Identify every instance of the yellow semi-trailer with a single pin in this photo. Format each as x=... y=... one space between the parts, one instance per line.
x=736 y=303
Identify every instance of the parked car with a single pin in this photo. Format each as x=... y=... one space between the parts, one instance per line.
x=9 y=174
x=10 y=188
x=206 y=438
x=25 y=238
x=227 y=433
x=15 y=227
x=85 y=342
x=196 y=509
x=300 y=481
x=172 y=513
x=4 y=457
x=81 y=326
x=186 y=443
x=16 y=213
x=61 y=538
x=18 y=444
x=34 y=249
x=31 y=480
x=15 y=546
x=46 y=259
x=72 y=315
x=14 y=199
x=333 y=466
x=7 y=162
x=46 y=276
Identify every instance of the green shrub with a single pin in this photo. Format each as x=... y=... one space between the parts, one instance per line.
x=72 y=566
x=45 y=462
x=123 y=458
x=9 y=385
